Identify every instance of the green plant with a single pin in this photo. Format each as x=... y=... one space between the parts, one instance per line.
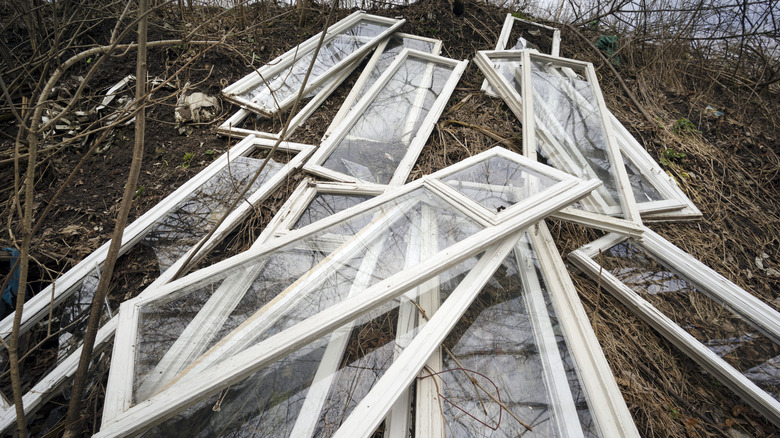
x=670 y=156
x=187 y=160
x=684 y=126
x=210 y=153
x=139 y=191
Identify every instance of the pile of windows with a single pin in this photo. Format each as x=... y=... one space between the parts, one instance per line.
x=438 y=307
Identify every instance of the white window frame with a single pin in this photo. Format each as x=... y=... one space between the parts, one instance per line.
x=677 y=206
x=36 y=308
x=190 y=388
x=721 y=290
x=623 y=186
x=503 y=40
x=284 y=61
x=46 y=387
x=230 y=126
x=284 y=220
x=475 y=208
x=655 y=175
x=127 y=319
x=604 y=397
x=314 y=165
x=361 y=85
x=607 y=405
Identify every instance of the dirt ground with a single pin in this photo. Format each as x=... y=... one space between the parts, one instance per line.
x=730 y=170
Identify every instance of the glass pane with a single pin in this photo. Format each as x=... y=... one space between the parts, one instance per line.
x=643 y=190
x=566 y=108
x=379 y=138
x=296 y=396
x=165 y=242
x=509 y=341
x=497 y=183
x=286 y=83
x=390 y=233
x=194 y=217
x=394 y=47
x=172 y=236
x=326 y=204
x=564 y=158
x=723 y=331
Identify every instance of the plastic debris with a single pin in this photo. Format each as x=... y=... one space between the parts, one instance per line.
x=608 y=45
x=712 y=111
x=196 y=107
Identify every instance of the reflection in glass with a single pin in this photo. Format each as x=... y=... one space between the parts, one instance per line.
x=509 y=341
x=273 y=401
x=286 y=83
x=393 y=48
x=565 y=110
x=497 y=183
x=194 y=217
x=567 y=107
x=379 y=138
x=723 y=331
x=326 y=204
x=643 y=190
x=171 y=236
x=165 y=241
x=264 y=297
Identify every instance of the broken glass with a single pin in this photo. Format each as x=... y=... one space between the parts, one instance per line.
x=508 y=347
x=727 y=334
x=243 y=313
x=377 y=140
x=497 y=183
x=274 y=90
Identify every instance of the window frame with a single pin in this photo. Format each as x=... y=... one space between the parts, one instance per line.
x=255 y=78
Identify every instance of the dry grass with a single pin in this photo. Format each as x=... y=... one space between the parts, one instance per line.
x=730 y=171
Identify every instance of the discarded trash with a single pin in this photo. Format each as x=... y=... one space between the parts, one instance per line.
x=523 y=44
x=113 y=91
x=712 y=111
x=196 y=107
x=768 y=271
x=608 y=45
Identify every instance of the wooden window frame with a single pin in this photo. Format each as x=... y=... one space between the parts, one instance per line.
x=717 y=287
x=46 y=387
x=314 y=165
x=254 y=79
x=190 y=388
